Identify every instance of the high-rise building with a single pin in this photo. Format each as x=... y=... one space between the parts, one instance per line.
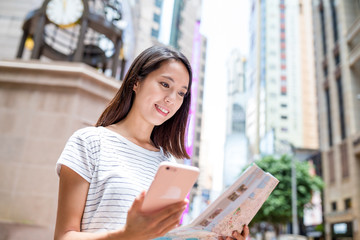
x=252 y=83
x=236 y=147
x=337 y=49
x=281 y=80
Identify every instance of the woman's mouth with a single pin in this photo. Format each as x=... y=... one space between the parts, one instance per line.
x=161 y=110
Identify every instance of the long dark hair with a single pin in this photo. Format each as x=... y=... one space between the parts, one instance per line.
x=170 y=135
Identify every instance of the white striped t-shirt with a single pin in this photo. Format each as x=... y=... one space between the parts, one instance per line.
x=117 y=170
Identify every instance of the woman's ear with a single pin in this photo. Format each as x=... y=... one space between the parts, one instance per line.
x=136 y=86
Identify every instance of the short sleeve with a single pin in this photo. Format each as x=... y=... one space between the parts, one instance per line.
x=80 y=153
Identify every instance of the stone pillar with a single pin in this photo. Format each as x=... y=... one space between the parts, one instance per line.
x=41 y=105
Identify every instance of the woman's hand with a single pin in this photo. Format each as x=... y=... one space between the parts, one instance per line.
x=236 y=235
x=140 y=225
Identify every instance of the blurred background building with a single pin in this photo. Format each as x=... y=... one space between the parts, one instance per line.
x=281 y=79
x=236 y=147
x=337 y=54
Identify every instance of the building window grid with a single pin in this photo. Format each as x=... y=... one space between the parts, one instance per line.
x=283 y=87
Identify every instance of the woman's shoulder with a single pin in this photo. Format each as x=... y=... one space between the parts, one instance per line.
x=87 y=134
x=90 y=130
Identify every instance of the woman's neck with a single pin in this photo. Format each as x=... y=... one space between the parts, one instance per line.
x=135 y=130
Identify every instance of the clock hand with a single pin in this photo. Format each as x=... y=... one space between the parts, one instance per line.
x=64 y=5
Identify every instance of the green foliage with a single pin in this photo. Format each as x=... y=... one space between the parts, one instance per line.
x=277 y=208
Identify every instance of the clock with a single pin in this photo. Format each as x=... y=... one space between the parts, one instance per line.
x=64 y=13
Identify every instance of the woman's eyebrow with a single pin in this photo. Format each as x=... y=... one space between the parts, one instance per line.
x=171 y=79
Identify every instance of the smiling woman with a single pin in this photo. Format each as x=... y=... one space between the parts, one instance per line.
x=155 y=65
x=104 y=170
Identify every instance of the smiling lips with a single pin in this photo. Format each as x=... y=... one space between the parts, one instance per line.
x=161 y=110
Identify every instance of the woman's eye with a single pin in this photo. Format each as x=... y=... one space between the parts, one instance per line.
x=182 y=94
x=164 y=84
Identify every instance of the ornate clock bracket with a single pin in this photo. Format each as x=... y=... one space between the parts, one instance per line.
x=80 y=42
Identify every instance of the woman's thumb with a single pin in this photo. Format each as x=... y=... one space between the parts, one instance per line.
x=139 y=201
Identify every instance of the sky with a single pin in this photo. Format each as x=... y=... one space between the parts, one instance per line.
x=225 y=25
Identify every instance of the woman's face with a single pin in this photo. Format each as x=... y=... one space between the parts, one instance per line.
x=161 y=93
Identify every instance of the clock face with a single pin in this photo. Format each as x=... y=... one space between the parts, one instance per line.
x=64 y=12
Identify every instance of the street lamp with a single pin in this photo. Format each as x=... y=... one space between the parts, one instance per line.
x=295 y=224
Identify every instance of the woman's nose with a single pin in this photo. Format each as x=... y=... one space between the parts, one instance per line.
x=170 y=98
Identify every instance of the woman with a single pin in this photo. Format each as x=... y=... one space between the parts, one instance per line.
x=105 y=170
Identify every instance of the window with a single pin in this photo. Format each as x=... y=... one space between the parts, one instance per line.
x=199 y=122
x=329 y=122
x=331 y=166
x=337 y=58
x=284 y=117
x=158 y=3
x=200 y=108
x=322 y=18
x=333 y=206
x=154 y=33
x=344 y=160
x=197 y=151
x=326 y=71
x=238 y=121
x=334 y=20
x=283 y=105
x=347 y=203
x=197 y=136
x=341 y=107
x=284 y=129
x=201 y=93
x=156 y=18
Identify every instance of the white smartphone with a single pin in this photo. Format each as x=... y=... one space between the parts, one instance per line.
x=171 y=184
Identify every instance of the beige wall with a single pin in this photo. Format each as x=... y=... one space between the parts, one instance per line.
x=41 y=104
x=342 y=187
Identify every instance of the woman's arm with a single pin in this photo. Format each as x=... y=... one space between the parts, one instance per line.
x=73 y=191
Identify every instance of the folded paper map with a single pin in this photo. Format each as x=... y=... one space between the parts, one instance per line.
x=231 y=210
